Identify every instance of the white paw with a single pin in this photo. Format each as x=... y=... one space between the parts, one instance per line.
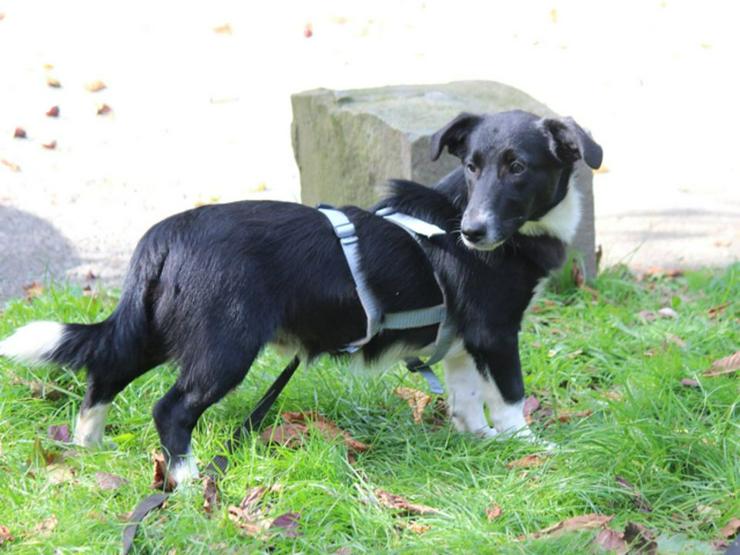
x=185 y=470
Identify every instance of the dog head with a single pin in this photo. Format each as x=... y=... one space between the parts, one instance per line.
x=513 y=163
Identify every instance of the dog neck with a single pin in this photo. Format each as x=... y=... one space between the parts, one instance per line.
x=560 y=221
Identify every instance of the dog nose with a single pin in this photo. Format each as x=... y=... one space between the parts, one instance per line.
x=474 y=232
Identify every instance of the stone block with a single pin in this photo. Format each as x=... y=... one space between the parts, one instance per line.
x=348 y=143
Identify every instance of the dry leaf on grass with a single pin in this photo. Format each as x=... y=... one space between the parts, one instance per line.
x=59 y=474
x=612 y=541
x=53 y=112
x=107 y=481
x=162 y=478
x=667 y=312
x=688 y=382
x=59 y=433
x=415 y=527
x=641 y=539
x=210 y=495
x=287 y=435
x=417 y=400
x=299 y=422
x=731 y=529
x=287 y=524
x=638 y=499
x=529 y=461
x=531 y=405
x=493 y=512
x=33 y=290
x=103 y=109
x=568 y=415
x=46 y=526
x=393 y=501
x=5 y=535
x=726 y=365
x=647 y=315
x=19 y=133
x=53 y=82
x=581 y=522
x=49 y=145
x=718 y=310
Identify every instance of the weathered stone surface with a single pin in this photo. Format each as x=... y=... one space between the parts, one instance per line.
x=348 y=143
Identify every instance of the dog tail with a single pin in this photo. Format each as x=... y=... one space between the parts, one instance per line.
x=118 y=341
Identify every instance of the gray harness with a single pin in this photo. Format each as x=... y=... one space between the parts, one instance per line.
x=407 y=319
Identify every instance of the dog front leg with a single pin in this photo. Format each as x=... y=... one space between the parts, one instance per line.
x=465 y=385
x=503 y=385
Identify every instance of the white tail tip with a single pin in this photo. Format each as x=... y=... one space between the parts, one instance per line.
x=33 y=342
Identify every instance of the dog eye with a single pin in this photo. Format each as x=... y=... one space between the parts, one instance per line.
x=471 y=168
x=516 y=167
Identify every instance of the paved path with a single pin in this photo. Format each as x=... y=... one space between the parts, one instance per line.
x=201 y=112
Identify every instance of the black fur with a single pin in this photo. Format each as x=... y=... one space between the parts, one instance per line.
x=210 y=287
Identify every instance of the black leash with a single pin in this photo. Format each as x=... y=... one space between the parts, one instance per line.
x=217 y=467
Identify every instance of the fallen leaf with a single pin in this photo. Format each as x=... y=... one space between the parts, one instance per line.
x=717 y=311
x=393 y=501
x=10 y=165
x=308 y=31
x=33 y=290
x=42 y=390
x=647 y=315
x=688 y=382
x=46 y=526
x=417 y=400
x=581 y=522
x=224 y=29
x=210 y=495
x=19 y=133
x=103 y=109
x=162 y=478
x=726 y=365
x=640 y=538
x=53 y=82
x=95 y=86
x=249 y=515
x=493 y=512
x=677 y=341
x=49 y=145
x=59 y=433
x=638 y=499
x=327 y=428
x=531 y=405
x=108 y=481
x=667 y=312
x=529 y=461
x=662 y=272
x=613 y=395
x=287 y=435
x=567 y=415
x=343 y=551
x=53 y=112
x=5 y=535
x=287 y=524
x=59 y=474
x=731 y=529
x=611 y=540
x=415 y=527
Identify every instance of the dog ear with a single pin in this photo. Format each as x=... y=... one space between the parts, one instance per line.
x=569 y=142
x=453 y=135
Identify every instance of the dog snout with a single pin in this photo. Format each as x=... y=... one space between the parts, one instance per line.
x=474 y=231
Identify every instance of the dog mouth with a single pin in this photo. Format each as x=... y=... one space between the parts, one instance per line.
x=482 y=245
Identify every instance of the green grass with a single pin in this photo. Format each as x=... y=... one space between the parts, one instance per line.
x=581 y=350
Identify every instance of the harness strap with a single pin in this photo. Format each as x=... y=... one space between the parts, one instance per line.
x=345 y=231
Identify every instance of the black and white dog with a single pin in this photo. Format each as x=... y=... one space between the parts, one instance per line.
x=210 y=287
